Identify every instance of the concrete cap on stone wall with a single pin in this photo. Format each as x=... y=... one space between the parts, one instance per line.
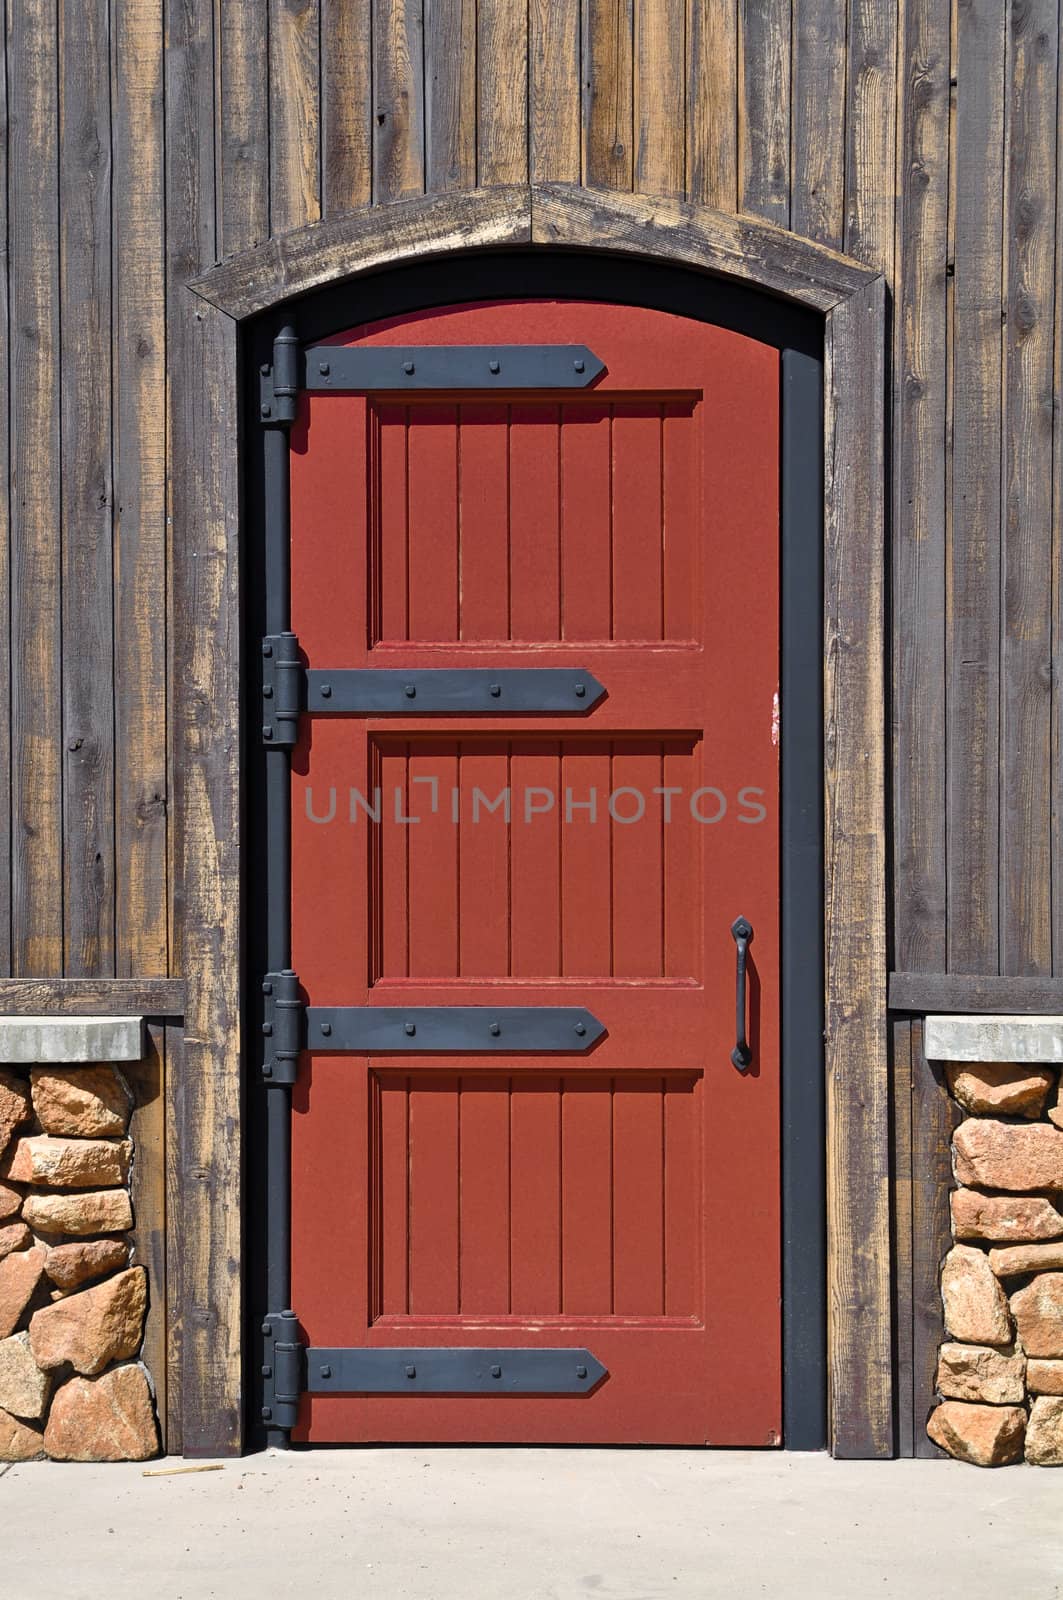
x=71 y=1041
x=1014 y=1039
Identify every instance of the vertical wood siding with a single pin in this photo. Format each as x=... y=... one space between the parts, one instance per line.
x=146 y=139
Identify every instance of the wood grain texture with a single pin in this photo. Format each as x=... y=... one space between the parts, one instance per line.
x=206 y=1099
x=502 y=92
x=85 y=316
x=92 y=997
x=608 y=107
x=858 y=1197
x=141 y=835
x=6 y=752
x=294 y=114
x=1028 y=780
x=450 y=92
x=920 y=484
x=817 y=185
x=398 y=98
x=934 y=1115
x=901 y=1224
x=974 y=600
x=346 y=105
x=554 y=118
x=764 y=109
x=36 y=504
x=243 y=153
x=1056 y=542
x=958 y=991
x=871 y=133
x=312 y=257
x=712 y=104
x=660 y=90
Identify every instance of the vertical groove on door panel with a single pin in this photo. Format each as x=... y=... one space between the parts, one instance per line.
x=682 y=1195
x=585 y=880
x=434 y=1194
x=433 y=523
x=637 y=1187
x=681 y=530
x=585 y=450
x=485 y=1223
x=484 y=914
x=637 y=890
x=636 y=522
x=483 y=512
x=432 y=848
x=534 y=522
x=535 y=1185
x=586 y=1218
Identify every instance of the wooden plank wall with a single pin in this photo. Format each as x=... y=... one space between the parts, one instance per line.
x=146 y=139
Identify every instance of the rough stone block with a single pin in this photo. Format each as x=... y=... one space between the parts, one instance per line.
x=15 y=1108
x=1016 y=1259
x=1006 y=1155
x=1044 y=1377
x=24 y=1388
x=1044 y=1433
x=17 y=1442
x=986 y=1436
x=20 y=1273
x=1004 y=1218
x=103 y=1419
x=10 y=1201
x=71 y=1163
x=1038 y=1313
x=84 y=1102
x=976 y=1309
x=94 y=1211
x=14 y=1236
x=69 y=1265
x=64 y=1040
x=998 y=1088
x=92 y=1328
x=977 y=1372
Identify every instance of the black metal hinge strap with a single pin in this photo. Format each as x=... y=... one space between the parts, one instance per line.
x=452 y=1371
x=386 y=691
x=465 y=1030
x=361 y=368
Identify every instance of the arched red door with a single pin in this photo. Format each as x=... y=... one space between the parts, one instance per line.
x=622 y=1199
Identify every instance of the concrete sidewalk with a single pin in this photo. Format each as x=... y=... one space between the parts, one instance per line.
x=534 y=1524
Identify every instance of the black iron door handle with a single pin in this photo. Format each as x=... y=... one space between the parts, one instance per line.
x=741 y=933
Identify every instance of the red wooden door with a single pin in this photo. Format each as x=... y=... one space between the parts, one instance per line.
x=626 y=1200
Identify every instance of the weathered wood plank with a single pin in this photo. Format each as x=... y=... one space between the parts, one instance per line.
x=450 y=95
x=502 y=93
x=173 y=1076
x=1056 y=546
x=139 y=356
x=660 y=88
x=871 y=133
x=1029 y=772
x=243 y=157
x=858 y=1188
x=294 y=114
x=712 y=104
x=554 y=119
x=901 y=1187
x=921 y=445
x=608 y=111
x=5 y=526
x=36 y=689
x=764 y=109
x=202 y=407
x=817 y=180
x=147 y=1126
x=934 y=1115
x=92 y=997
x=973 y=623
x=364 y=241
x=398 y=98
x=740 y=247
x=959 y=991
x=346 y=105
x=86 y=494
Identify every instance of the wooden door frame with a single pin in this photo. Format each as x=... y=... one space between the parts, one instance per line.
x=206 y=438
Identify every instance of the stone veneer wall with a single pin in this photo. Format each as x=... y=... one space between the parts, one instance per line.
x=72 y=1307
x=1000 y=1372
